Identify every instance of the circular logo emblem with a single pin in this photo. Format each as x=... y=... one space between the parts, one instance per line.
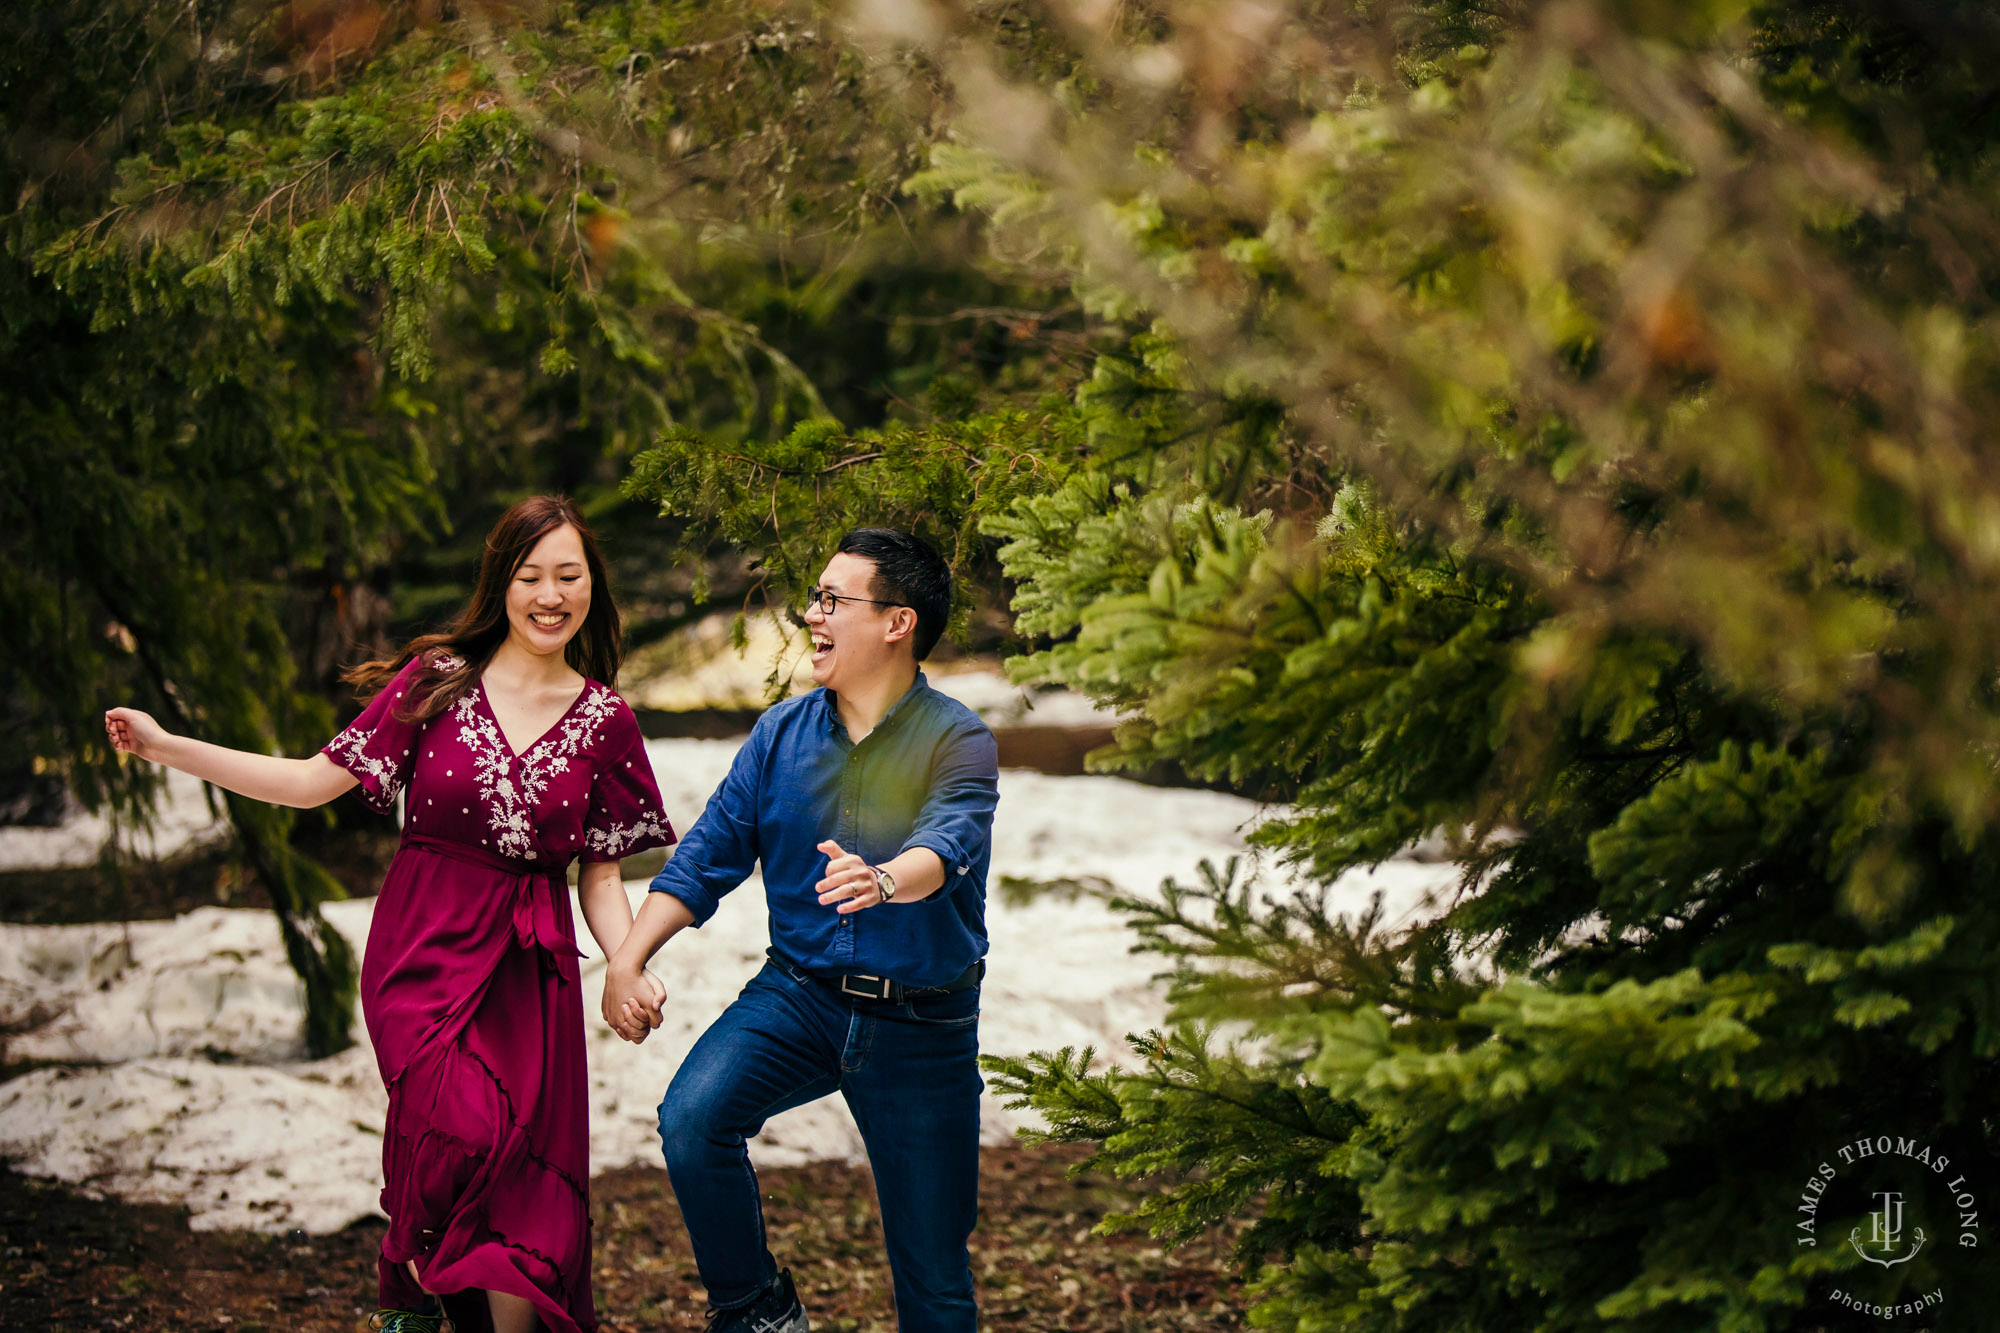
x=1902 y=1215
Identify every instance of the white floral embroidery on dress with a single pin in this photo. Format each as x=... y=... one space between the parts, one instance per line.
x=505 y=812
x=613 y=841
x=349 y=750
x=577 y=732
x=510 y=809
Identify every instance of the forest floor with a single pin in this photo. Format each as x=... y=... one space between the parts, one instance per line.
x=70 y=1264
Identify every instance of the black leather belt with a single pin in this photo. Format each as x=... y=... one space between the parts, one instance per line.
x=861 y=986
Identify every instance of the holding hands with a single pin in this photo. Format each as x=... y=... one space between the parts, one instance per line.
x=632 y=1001
x=633 y=996
x=849 y=881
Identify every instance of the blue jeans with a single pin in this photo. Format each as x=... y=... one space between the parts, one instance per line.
x=910 y=1074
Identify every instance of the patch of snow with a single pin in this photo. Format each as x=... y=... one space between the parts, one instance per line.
x=185 y=1081
x=44 y=970
x=184 y=820
x=214 y=980
x=263 y=1148
x=1001 y=703
x=698 y=667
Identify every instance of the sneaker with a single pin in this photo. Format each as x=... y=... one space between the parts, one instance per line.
x=776 y=1310
x=410 y=1321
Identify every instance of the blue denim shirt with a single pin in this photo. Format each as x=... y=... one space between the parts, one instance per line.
x=926 y=776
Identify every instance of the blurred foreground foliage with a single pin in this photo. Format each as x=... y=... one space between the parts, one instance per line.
x=1566 y=429
x=1560 y=428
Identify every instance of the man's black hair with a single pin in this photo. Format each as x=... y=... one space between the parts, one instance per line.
x=910 y=572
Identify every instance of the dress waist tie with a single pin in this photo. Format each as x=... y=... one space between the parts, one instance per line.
x=540 y=893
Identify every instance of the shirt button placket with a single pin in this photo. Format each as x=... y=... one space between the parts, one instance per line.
x=850 y=838
x=850 y=791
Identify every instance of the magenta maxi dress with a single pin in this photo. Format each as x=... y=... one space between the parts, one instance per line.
x=470 y=992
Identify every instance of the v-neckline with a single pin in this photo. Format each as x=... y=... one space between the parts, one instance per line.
x=517 y=755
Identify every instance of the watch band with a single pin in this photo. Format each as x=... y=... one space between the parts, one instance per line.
x=885 y=884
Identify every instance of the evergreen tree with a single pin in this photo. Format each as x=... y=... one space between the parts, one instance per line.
x=296 y=297
x=1560 y=427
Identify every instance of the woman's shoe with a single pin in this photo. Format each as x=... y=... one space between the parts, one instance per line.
x=409 y=1321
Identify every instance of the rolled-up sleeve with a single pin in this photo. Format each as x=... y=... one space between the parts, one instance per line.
x=956 y=821
x=720 y=851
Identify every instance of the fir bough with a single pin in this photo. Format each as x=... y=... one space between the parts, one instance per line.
x=1548 y=435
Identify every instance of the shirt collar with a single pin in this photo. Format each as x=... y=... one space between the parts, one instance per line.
x=830 y=705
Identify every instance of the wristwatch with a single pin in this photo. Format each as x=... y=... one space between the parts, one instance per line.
x=885 y=883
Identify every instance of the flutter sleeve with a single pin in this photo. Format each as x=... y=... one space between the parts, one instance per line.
x=376 y=747
x=625 y=816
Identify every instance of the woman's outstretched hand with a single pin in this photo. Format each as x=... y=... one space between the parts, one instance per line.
x=299 y=783
x=134 y=732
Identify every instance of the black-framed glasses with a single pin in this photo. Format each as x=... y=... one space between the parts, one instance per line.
x=829 y=601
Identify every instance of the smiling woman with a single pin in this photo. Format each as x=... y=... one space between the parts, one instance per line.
x=541 y=611
x=550 y=589
x=513 y=757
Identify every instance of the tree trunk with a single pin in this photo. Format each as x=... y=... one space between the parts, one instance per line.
x=318 y=953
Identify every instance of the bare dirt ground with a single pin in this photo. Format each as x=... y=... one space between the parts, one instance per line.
x=69 y=1264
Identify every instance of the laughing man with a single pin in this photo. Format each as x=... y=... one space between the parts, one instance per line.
x=870 y=803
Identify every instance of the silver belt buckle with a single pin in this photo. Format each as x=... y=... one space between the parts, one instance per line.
x=876 y=994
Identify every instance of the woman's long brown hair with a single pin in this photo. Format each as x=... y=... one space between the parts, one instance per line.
x=595 y=650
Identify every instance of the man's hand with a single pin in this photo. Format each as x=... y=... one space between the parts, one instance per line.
x=849 y=881
x=632 y=999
